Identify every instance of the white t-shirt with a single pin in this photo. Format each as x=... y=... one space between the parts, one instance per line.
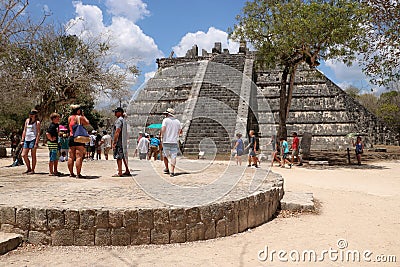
x=107 y=140
x=172 y=129
x=143 y=145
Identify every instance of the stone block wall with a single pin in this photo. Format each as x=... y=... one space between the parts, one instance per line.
x=92 y=227
x=321 y=108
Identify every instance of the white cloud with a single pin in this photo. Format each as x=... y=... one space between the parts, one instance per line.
x=131 y=9
x=352 y=75
x=127 y=40
x=343 y=72
x=149 y=75
x=205 y=41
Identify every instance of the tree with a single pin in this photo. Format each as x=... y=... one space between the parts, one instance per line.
x=389 y=109
x=43 y=67
x=352 y=91
x=289 y=33
x=381 y=45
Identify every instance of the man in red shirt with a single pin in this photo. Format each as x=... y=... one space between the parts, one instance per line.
x=295 y=148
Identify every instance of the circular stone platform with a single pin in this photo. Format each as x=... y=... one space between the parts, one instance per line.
x=146 y=208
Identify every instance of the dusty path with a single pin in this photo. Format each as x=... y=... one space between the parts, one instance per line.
x=360 y=205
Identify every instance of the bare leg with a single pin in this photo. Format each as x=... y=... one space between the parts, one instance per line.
x=80 y=152
x=125 y=160
x=56 y=167
x=119 y=165
x=51 y=165
x=26 y=159
x=33 y=154
x=173 y=163
x=71 y=159
x=166 y=163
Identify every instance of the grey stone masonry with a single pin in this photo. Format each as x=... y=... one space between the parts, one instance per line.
x=121 y=227
x=318 y=107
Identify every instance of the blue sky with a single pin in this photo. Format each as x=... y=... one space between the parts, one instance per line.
x=143 y=30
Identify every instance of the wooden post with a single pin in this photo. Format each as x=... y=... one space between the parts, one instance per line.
x=348 y=155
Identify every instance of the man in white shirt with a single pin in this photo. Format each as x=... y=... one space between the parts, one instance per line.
x=143 y=147
x=170 y=131
x=106 y=143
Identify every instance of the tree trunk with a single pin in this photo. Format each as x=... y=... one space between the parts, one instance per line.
x=282 y=131
x=290 y=89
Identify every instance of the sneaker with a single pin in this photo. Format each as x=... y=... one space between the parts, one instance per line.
x=171 y=175
x=166 y=171
x=300 y=164
x=290 y=166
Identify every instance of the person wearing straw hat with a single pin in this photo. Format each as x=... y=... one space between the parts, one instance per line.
x=170 y=130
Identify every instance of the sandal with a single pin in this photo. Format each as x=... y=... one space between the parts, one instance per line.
x=80 y=176
x=27 y=171
x=31 y=172
x=117 y=175
x=72 y=175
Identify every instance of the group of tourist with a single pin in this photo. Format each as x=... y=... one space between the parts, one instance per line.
x=59 y=143
x=280 y=150
x=148 y=145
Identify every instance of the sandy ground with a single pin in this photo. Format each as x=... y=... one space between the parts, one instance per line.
x=359 y=213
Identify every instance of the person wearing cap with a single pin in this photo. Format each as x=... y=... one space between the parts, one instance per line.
x=30 y=140
x=76 y=150
x=120 y=142
x=170 y=130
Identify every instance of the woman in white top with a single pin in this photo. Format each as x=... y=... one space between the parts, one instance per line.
x=30 y=139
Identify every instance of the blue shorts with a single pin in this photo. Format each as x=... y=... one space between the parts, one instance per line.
x=170 y=150
x=252 y=153
x=53 y=154
x=30 y=144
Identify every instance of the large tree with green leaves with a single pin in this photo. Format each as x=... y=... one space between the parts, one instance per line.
x=381 y=47
x=42 y=66
x=289 y=33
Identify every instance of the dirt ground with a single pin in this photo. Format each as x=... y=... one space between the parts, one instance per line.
x=359 y=214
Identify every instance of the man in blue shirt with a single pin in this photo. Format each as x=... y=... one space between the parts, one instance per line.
x=154 y=147
x=284 y=153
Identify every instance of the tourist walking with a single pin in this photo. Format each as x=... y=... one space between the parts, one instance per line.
x=284 y=152
x=275 y=150
x=119 y=145
x=106 y=143
x=154 y=147
x=99 y=146
x=359 y=149
x=76 y=150
x=143 y=147
x=92 y=144
x=170 y=131
x=295 y=149
x=52 y=144
x=239 y=148
x=253 y=160
x=30 y=140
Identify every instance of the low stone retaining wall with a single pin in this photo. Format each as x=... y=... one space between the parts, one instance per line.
x=91 y=227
